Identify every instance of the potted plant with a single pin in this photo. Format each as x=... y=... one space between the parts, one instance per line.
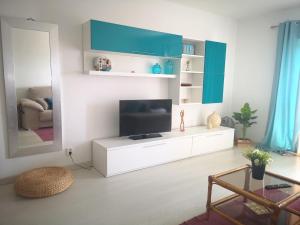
x=246 y=117
x=259 y=159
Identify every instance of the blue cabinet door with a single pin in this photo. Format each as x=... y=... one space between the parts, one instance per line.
x=119 y=38
x=214 y=68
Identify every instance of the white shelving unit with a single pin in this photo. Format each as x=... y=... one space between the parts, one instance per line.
x=191 y=75
x=124 y=74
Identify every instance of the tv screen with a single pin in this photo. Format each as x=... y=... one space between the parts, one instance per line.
x=145 y=116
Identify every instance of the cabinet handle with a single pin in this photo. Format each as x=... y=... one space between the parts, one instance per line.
x=149 y=146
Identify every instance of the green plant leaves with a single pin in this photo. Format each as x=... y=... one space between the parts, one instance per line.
x=245 y=117
x=260 y=157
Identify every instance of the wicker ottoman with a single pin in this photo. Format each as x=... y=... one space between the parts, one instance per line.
x=43 y=182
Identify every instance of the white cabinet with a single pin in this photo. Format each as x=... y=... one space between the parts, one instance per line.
x=211 y=142
x=126 y=159
x=119 y=155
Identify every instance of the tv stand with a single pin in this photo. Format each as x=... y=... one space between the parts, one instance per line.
x=117 y=155
x=144 y=136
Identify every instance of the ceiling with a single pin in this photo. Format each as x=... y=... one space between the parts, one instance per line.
x=240 y=8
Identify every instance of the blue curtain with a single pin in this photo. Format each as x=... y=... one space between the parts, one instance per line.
x=284 y=116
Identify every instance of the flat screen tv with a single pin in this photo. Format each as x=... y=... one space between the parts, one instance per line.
x=142 y=117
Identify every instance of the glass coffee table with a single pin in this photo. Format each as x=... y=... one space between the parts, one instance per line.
x=251 y=203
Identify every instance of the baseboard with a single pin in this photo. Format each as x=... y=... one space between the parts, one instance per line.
x=7 y=180
x=11 y=180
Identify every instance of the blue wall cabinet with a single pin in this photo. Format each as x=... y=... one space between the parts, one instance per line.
x=214 y=68
x=119 y=38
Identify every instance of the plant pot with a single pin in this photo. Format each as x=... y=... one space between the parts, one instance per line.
x=243 y=143
x=258 y=172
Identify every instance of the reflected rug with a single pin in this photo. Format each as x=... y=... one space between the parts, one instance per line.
x=46 y=134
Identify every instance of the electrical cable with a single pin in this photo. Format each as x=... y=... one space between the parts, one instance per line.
x=79 y=164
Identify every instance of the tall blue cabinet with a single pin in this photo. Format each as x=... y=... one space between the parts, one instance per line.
x=214 y=69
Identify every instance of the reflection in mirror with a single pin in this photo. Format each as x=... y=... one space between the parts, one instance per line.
x=32 y=70
x=32 y=90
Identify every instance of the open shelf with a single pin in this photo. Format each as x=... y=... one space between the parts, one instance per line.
x=191 y=71
x=191 y=103
x=191 y=86
x=192 y=56
x=128 y=74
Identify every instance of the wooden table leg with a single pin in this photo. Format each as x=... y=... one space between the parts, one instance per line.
x=275 y=216
x=247 y=182
x=209 y=192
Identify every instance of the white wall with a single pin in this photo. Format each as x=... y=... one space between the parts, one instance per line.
x=31 y=56
x=90 y=103
x=255 y=64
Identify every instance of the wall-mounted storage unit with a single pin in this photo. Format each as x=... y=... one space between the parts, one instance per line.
x=198 y=74
x=131 y=50
x=214 y=69
x=112 y=37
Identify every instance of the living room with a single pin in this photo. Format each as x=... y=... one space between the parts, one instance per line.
x=158 y=180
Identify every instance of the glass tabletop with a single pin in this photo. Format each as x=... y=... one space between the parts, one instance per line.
x=243 y=179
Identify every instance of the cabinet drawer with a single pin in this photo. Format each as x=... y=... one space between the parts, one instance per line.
x=133 y=158
x=212 y=142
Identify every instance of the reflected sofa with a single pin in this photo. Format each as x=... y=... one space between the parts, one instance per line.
x=34 y=111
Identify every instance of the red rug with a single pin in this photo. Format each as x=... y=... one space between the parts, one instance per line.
x=236 y=209
x=46 y=134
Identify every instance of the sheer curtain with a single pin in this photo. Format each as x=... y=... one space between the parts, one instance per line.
x=284 y=115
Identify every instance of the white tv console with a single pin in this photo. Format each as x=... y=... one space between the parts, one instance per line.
x=119 y=155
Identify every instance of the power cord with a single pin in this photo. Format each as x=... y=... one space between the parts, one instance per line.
x=78 y=164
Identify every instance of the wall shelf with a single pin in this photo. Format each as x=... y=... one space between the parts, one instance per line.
x=192 y=56
x=191 y=86
x=192 y=72
x=128 y=74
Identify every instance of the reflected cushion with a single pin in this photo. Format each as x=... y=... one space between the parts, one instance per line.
x=42 y=102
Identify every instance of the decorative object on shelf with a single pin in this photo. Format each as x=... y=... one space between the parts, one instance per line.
x=186 y=84
x=188 y=49
x=213 y=120
x=246 y=117
x=156 y=68
x=188 y=65
x=259 y=160
x=227 y=122
x=102 y=64
x=182 y=120
x=168 y=67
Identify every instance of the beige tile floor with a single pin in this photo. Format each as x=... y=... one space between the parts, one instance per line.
x=163 y=195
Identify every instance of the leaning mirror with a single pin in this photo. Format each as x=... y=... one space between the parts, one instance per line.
x=31 y=75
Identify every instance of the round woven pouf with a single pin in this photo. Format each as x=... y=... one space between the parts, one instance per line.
x=43 y=182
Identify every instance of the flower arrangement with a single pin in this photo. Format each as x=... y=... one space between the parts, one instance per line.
x=258 y=157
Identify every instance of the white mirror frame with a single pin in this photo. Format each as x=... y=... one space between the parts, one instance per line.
x=7 y=24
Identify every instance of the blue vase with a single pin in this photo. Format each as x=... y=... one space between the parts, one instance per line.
x=168 y=67
x=156 y=69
